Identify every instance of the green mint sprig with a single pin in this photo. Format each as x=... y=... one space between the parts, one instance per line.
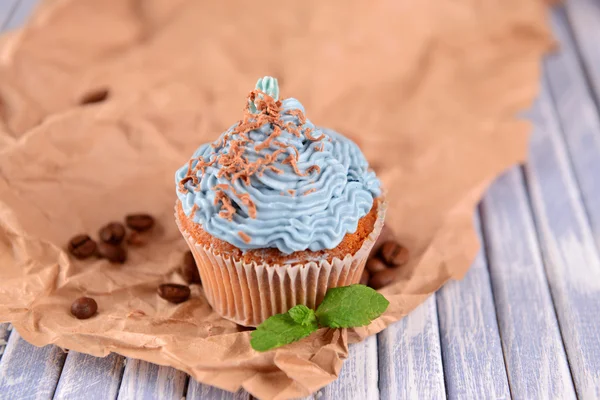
x=342 y=307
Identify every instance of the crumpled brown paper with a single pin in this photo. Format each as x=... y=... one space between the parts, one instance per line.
x=429 y=90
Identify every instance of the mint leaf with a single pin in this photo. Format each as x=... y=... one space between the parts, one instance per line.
x=350 y=306
x=282 y=329
x=302 y=314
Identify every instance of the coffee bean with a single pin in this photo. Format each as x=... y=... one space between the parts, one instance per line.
x=374 y=264
x=174 y=293
x=82 y=246
x=189 y=270
x=364 y=278
x=113 y=253
x=95 y=96
x=112 y=233
x=394 y=254
x=385 y=236
x=139 y=222
x=84 y=308
x=241 y=328
x=137 y=239
x=382 y=278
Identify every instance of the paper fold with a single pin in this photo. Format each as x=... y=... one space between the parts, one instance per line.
x=428 y=89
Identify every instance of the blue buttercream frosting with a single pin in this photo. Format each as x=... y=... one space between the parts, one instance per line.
x=291 y=209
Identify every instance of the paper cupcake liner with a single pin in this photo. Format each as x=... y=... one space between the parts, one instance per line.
x=248 y=293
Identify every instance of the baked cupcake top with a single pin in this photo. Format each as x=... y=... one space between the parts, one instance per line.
x=275 y=180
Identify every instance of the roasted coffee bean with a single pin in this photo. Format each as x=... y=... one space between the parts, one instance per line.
x=374 y=264
x=139 y=222
x=241 y=328
x=95 y=96
x=364 y=278
x=113 y=253
x=394 y=254
x=174 y=293
x=137 y=239
x=82 y=246
x=189 y=270
x=84 y=308
x=112 y=233
x=385 y=236
x=382 y=278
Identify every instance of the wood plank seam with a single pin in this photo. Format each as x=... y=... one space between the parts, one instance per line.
x=121 y=378
x=561 y=11
x=5 y=332
x=186 y=385
x=554 y=105
x=484 y=244
x=578 y=115
x=440 y=333
x=544 y=260
x=521 y=285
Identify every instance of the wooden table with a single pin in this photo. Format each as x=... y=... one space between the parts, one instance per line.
x=525 y=321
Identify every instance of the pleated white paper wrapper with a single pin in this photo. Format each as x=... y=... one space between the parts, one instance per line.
x=247 y=294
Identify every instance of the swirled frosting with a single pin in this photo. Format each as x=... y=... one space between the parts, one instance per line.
x=275 y=180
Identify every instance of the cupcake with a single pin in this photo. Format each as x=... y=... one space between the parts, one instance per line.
x=277 y=210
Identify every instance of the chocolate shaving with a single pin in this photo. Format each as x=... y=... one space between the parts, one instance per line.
x=228 y=209
x=234 y=164
x=244 y=198
x=308 y=135
x=313 y=168
x=244 y=237
x=292 y=161
x=273 y=168
x=182 y=183
x=299 y=114
x=309 y=191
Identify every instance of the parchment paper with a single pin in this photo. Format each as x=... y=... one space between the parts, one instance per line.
x=429 y=90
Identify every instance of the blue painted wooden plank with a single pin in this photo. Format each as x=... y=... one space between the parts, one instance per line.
x=7 y=8
x=533 y=349
x=5 y=330
x=471 y=349
x=577 y=115
x=584 y=17
x=410 y=359
x=359 y=377
x=199 y=391
x=89 y=377
x=29 y=372
x=21 y=13
x=570 y=255
x=143 y=380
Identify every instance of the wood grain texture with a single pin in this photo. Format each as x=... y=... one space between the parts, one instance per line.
x=29 y=372
x=142 y=380
x=89 y=377
x=199 y=391
x=533 y=348
x=410 y=360
x=359 y=376
x=578 y=116
x=472 y=353
x=5 y=330
x=569 y=252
